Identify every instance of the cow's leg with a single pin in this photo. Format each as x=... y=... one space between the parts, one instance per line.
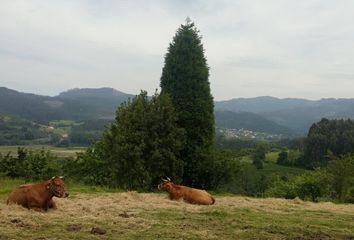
x=52 y=204
x=37 y=209
x=35 y=205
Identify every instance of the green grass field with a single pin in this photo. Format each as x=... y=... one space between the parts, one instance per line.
x=132 y=215
x=58 y=151
x=272 y=157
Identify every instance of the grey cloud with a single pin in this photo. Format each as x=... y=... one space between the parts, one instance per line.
x=9 y=53
x=282 y=48
x=337 y=76
x=254 y=62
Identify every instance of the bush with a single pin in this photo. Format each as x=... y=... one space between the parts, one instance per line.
x=31 y=165
x=312 y=185
x=342 y=178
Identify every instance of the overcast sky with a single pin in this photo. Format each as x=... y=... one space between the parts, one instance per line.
x=281 y=48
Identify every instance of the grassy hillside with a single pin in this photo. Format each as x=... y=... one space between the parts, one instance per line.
x=132 y=215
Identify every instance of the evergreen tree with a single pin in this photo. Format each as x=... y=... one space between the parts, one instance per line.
x=258 y=156
x=283 y=158
x=334 y=137
x=185 y=78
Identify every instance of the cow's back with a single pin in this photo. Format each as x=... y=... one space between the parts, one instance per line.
x=198 y=196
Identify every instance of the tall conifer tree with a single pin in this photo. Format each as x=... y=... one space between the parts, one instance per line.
x=185 y=77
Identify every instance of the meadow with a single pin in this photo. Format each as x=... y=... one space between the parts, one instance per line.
x=99 y=213
x=57 y=151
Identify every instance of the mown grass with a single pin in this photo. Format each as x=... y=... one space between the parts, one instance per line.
x=132 y=215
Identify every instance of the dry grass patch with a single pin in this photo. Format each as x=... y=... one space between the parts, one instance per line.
x=132 y=215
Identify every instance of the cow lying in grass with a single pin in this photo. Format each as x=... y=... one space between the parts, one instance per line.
x=190 y=195
x=39 y=196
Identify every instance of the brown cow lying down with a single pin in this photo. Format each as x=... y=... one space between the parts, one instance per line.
x=190 y=195
x=38 y=196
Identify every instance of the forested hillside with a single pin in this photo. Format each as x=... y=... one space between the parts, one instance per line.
x=295 y=114
x=71 y=105
x=271 y=115
x=250 y=121
x=40 y=108
x=103 y=101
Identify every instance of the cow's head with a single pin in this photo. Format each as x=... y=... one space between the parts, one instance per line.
x=166 y=185
x=56 y=186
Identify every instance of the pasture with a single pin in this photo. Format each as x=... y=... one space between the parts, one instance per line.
x=56 y=151
x=94 y=213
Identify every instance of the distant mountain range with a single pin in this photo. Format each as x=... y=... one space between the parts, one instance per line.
x=249 y=121
x=295 y=114
x=103 y=98
x=289 y=116
x=75 y=104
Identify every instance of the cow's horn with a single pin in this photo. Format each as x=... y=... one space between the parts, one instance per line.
x=168 y=179
x=52 y=178
x=61 y=177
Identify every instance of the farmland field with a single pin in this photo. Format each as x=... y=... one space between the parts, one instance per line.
x=58 y=151
x=132 y=215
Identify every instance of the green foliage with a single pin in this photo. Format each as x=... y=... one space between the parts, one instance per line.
x=246 y=180
x=259 y=155
x=234 y=144
x=14 y=130
x=282 y=189
x=334 y=182
x=283 y=157
x=61 y=133
x=335 y=136
x=220 y=170
x=342 y=176
x=88 y=131
x=185 y=78
x=30 y=165
x=89 y=167
x=138 y=149
x=311 y=185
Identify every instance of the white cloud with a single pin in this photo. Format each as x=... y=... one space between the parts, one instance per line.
x=282 y=48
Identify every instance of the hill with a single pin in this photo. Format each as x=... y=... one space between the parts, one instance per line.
x=104 y=100
x=295 y=114
x=15 y=130
x=261 y=104
x=249 y=121
x=76 y=104
x=132 y=215
x=271 y=115
x=40 y=108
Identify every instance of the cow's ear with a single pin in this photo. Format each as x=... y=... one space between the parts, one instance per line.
x=48 y=185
